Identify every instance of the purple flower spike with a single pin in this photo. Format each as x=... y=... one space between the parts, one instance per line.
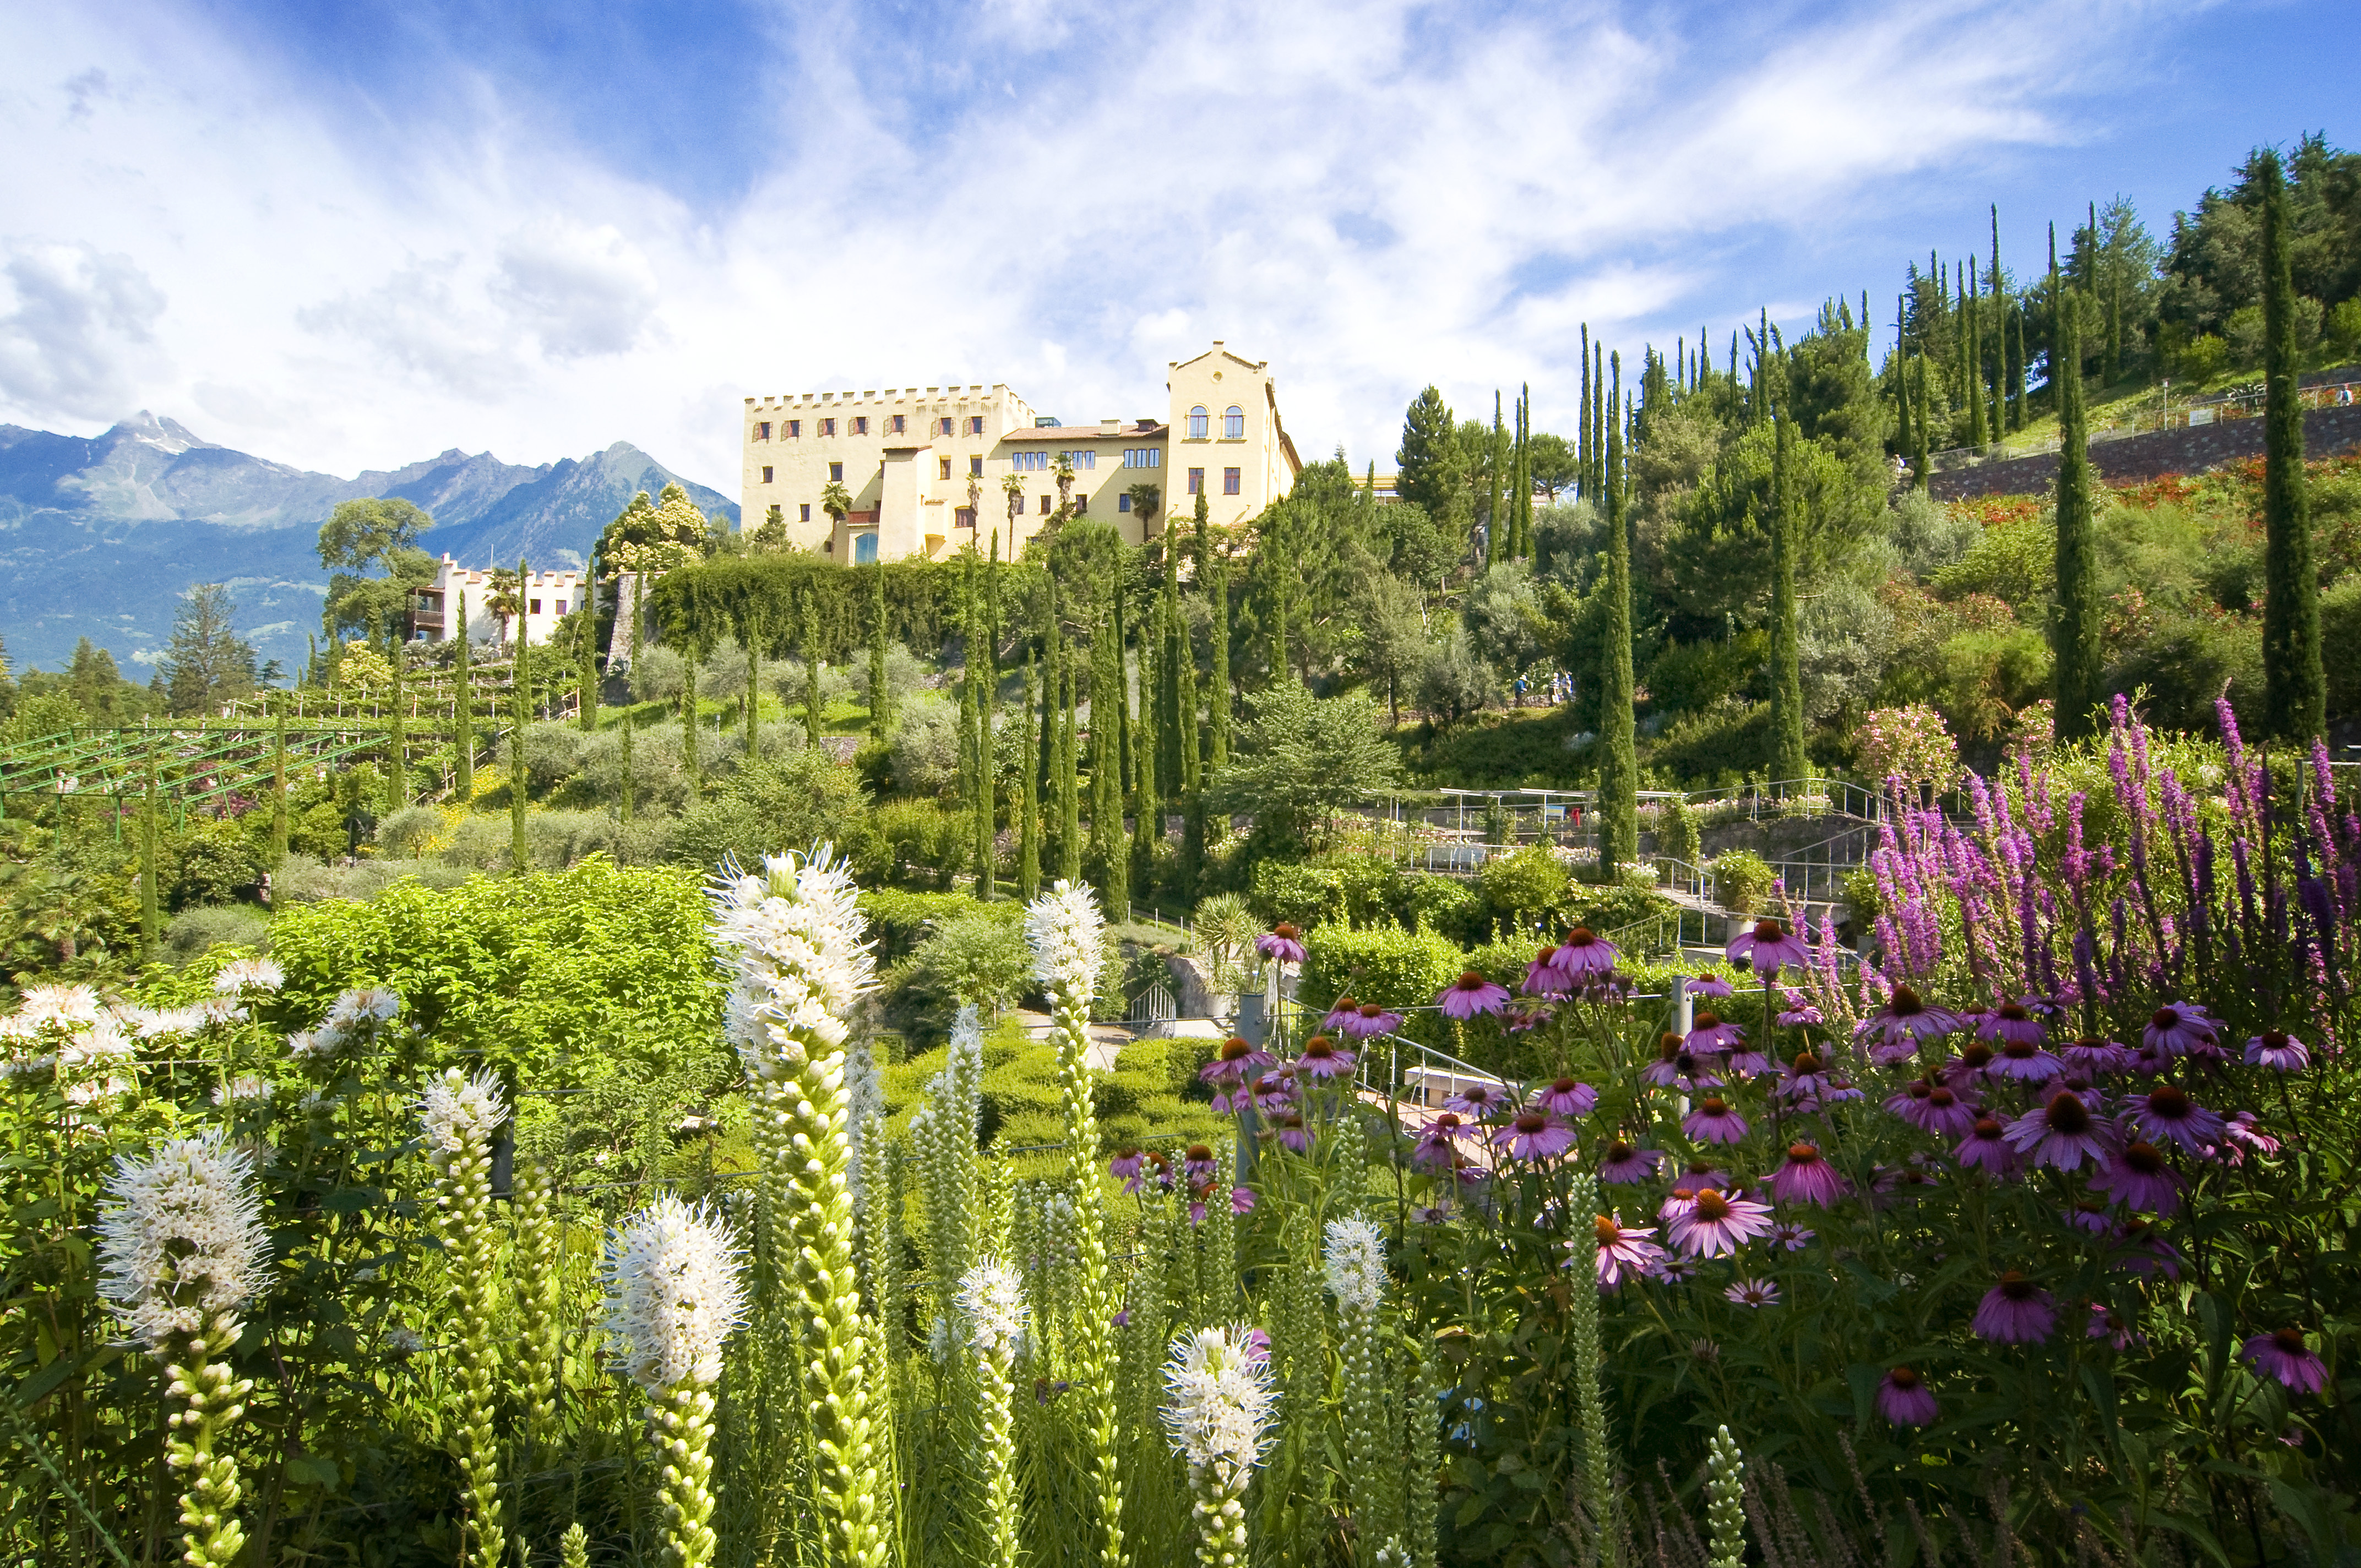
x=1768 y=947
x=2283 y=1354
x=2280 y=1053
x=2016 y=1311
x=1469 y=996
x=1904 y=1399
x=1282 y=942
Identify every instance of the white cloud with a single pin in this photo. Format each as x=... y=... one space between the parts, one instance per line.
x=1370 y=196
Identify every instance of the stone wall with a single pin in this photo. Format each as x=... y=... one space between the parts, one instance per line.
x=2135 y=458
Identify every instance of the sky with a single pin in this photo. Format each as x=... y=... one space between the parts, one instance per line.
x=347 y=237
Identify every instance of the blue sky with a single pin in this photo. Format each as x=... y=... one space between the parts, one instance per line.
x=348 y=237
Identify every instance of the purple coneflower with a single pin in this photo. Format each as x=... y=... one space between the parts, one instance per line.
x=2090 y=1215
x=1371 y=1021
x=1470 y=994
x=1715 y=1120
x=1904 y=1020
x=2280 y=1053
x=1700 y=1173
x=1235 y=1062
x=1275 y=1093
x=2010 y=1021
x=2139 y=1179
x=1344 y=1007
x=1798 y=1013
x=1906 y=1400
x=2026 y=1062
x=1125 y=1168
x=1708 y=985
x=1535 y=1135
x=1541 y=977
x=1970 y=1063
x=2169 y=1112
x=1625 y=1253
x=1939 y=1111
x=1805 y=1177
x=1282 y=942
x=2112 y=1327
x=1322 y=1059
x=2016 y=1311
x=1794 y=1237
x=1745 y=1063
x=2180 y=1029
x=1803 y=1076
x=1582 y=957
x=1197 y=1166
x=1768 y=946
x=2093 y=1056
x=1676 y=1063
x=1439 y=1144
x=1480 y=1101
x=1524 y=1015
x=1718 y=1222
x=1291 y=1134
x=1986 y=1148
x=1565 y=1097
x=2283 y=1354
x=1838 y=1090
x=2144 y=1249
x=2061 y=1133
x=1708 y=1034
x=1625 y=1164
x=1242 y=1200
x=1754 y=1293
x=2241 y=1133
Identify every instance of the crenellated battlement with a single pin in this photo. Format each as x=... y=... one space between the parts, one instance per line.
x=908 y=396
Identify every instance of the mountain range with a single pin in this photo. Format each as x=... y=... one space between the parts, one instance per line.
x=100 y=536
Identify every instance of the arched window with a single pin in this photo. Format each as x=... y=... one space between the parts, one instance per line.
x=1234 y=424
x=864 y=548
x=1197 y=422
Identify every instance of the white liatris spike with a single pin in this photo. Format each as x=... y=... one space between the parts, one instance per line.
x=180 y=1253
x=674 y=1295
x=1217 y=1406
x=792 y=937
x=1064 y=927
x=459 y=1113
x=991 y=1303
x=181 y=1244
x=1354 y=1258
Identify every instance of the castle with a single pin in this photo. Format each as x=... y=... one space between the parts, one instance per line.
x=927 y=469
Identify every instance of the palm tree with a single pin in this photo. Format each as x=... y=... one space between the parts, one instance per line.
x=1145 y=499
x=1014 y=489
x=506 y=596
x=1065 y=477
x=837 y=501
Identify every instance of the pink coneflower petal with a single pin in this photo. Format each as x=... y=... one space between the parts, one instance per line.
x=2112 y=1327
x=1282 y=942
x=2025 y=1061
x=1717 y=1223
x=1236 y=1061
x=1986 y=1147
x=1804 y=1177
x=2061 y=1133
x=1709 y=1033
x=1582 y=957
x=1535 y=1135
x=1625 y=1253
x=1541 y=977
x=2168 y=1113
x=1795 y=1238
x=1343 y=1008
x=1768 y=947
x=1438 y=1146
x=1323 y=1058
x=1624 y=1164
x=1708 y=985
x=2092 y=1056
x=2139 y=1177
x=1479 y=1100
x=1370 y=1020
x=1754 y=1293
x=2280 y=1053
x=2180 y=1029
x=2010 y=1021
x=2016 y=1311
x=1905 y=1400
x=1565 y=1097
x=2283 y=1354
x=1470 y=995
x=1715 y=1120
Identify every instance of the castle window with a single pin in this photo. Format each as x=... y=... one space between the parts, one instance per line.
x=828 y=427
x=1234 y=424
x=1197 y=421
x=975 y=464
x=1229 y=481
x=1142 y=458
x=975 y=424
x=763 y=430
x=864 y=548
x=1081 y=506
x=942 y=467
x=836 y=473
x=1045 y=506
x=963 y=517
x=794 y=429
x=803 y=512
x=943 y=426
x=861 y=425
x=766 y=472
x=534 y=607
x=1082 y=459
x=1123 y=502
x=900 y=423
x=1196 y=481
x=1034 y=462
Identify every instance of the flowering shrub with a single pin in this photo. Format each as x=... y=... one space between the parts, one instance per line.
x=1909 y=744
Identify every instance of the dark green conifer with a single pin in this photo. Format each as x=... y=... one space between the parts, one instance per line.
x=1070 y=788
x=2294 y=681
x=463 y=713
x=879 y=701
x=1109 y=857
x=586 y=649
x=1582 y=436
x=1618 y=769
x=1029 y=799
x=810 y=640
x=520 y=713
x=1150 y=751
x=2079 y=681
x=1787 y=758
x=1219 y=700
x=1497 y=534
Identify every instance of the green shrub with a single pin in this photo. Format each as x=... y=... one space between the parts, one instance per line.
x=1449 y=905
x=1384 y=964
x=211 y=864
x=977 y=956
x=1743 y=879
x=2340 y=631
x=900 y=919
x=406 y=833
x=1676 y=832
x=1523 y=887
x=792 y=804
x=199 y=931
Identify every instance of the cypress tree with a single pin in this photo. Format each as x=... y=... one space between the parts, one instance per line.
x=2015 y=368
x=1524 y=498
x=1582 y=438
x=1787 y=758
x=811 y=639
x=879 y=701
x=638 y=623
x=1107 y=850
x=753 y=640
x=1218 y=706
x=397 y=743
x=2000 y=338
x=986 y=700
x=1901 y=385
x=1148 y=805
x=2294 y=681
x=1496 y=535
x=974 y=754
x=1971 y=356
x=1184 y=685
x=2074 y=622
x=1070 y=789
x=587 y=675
x=1029 y=800
x=1919 y=458
x=1618 y=769
x=520 y=711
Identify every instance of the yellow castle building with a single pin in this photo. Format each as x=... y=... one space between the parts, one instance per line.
x=927 y=469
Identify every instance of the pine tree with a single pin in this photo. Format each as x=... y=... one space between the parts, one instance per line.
x=2079 y=687
x=1619 y=768
x=2294 y=681
x=1029 y=800
x=1787 y=758
x=463 y=713
x=879 y=701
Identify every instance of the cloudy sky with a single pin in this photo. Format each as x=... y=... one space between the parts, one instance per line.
x=347 y=236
